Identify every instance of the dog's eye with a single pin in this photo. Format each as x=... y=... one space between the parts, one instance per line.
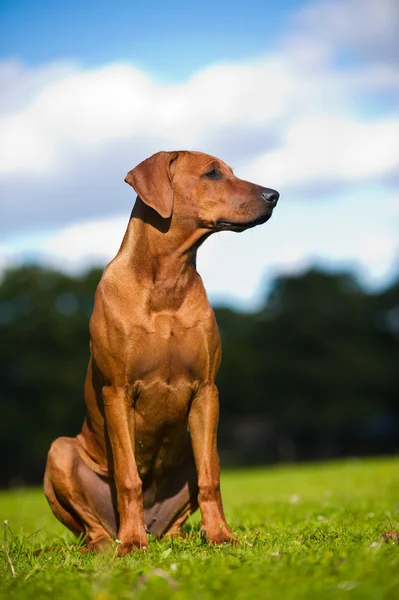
x=214 y=174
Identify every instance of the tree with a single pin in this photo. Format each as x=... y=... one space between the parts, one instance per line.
x=43 y=356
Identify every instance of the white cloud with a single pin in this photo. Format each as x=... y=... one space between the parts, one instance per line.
x=88 y=109
x=85 y=111
x=368 y=26
x=331 y=149
x=82 y=245
x=76 y=113
x=64 y=154
x=20 y=84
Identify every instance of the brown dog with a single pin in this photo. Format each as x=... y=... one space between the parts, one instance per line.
x=155 y=351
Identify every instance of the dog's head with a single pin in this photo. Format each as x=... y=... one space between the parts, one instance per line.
x=201 y=192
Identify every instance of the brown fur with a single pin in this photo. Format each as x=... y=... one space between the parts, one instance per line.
x=155 y=352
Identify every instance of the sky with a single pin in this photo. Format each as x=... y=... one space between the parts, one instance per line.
x=298 y=96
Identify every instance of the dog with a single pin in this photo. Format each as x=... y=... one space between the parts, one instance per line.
x=147 y=457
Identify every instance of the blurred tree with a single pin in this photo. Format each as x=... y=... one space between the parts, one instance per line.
x=43 y=356
x=319 y=362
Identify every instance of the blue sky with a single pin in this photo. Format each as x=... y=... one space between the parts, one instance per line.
x=299 y=96
x=168 y=39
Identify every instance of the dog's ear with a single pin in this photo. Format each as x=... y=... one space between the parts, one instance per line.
x=152 y=181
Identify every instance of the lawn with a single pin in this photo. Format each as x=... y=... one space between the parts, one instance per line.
x=308 y=531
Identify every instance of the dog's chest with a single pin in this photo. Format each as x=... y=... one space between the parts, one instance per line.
x=170 y=349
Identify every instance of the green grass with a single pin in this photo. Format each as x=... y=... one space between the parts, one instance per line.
x=309 y=531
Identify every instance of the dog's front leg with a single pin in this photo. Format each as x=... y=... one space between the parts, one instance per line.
x=119 y=416
x=203 y=420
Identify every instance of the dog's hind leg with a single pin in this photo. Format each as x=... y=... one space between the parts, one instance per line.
x=86 y=502
x=79 y=498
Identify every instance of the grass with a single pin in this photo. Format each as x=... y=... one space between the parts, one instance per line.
x=309 y=531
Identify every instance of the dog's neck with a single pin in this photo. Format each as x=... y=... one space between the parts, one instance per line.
x=162 y=254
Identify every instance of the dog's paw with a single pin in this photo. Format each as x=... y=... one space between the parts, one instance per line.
x=125 y=548
x=221 y=535
x=99 y=546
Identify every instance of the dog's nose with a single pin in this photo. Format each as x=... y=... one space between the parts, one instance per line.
x=270 y=196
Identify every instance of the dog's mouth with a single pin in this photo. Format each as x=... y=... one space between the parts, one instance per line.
x=222 y=225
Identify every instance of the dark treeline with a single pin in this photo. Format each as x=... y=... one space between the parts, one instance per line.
x=313 y=374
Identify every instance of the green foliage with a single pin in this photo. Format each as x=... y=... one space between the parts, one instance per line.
x=317 y=365
x=44 y=319
x=306 y=532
